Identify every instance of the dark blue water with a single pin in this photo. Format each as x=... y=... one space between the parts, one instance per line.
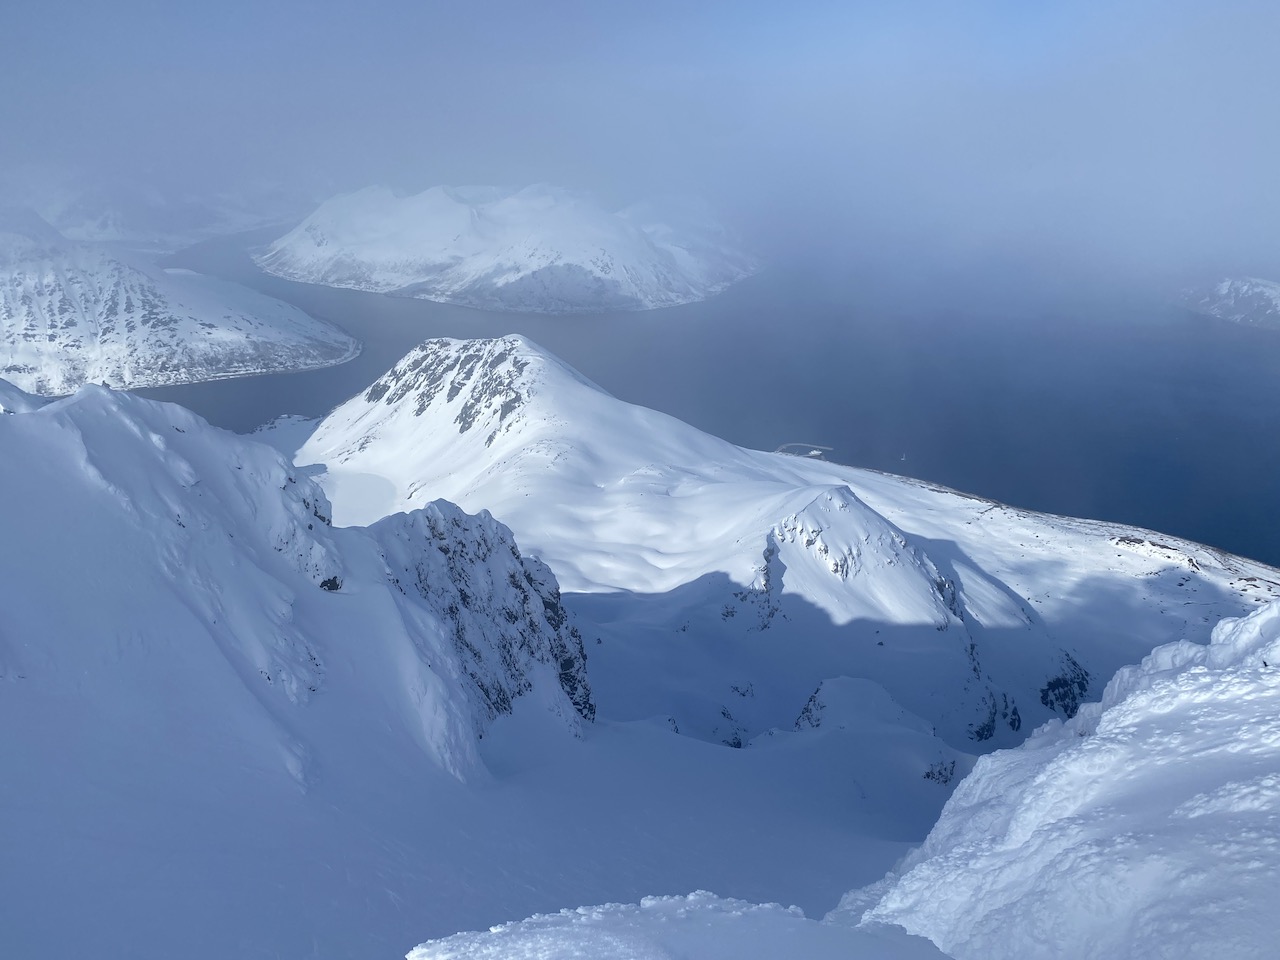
x=1139 y=414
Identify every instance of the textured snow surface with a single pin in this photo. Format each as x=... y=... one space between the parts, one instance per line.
x=205 y=688
x=13 y=400
x=1246 y=300
x=1147 y=826
x=539 y=249
x=762 y=575
x=72 y=314
x=671 y=928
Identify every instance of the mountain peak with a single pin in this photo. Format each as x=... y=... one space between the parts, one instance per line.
x=483 y=383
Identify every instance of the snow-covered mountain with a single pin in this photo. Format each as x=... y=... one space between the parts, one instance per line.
x=233 y=728
x=209 y=696
x=1144 y=827
x=747 y=584
x=73 y=313
x=539 y=249
x=1246 y=300
x=229 y=728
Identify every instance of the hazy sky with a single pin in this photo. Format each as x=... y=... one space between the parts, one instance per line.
x=1140 y=135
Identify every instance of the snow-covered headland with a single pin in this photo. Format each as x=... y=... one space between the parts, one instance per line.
x=76 y=313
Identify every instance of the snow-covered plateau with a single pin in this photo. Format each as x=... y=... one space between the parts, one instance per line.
x=1246 y=300
x=539 y=249
x=76 y=313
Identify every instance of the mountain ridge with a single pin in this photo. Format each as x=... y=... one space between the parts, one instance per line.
x=665 y=534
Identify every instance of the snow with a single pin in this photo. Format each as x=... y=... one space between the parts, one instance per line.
x=234 y=728
x=74 y=313
x=540 y=249
x=763 y=575
x=206 y=687
x=665 y=928
x=208 y=752
x=1247 y=300
x=1147 y=826
x=13 y=400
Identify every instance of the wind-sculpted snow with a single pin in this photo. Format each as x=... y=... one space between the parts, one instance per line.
x=72 y=314
x=1146 y=826
x=540 y=249
x=763 y=572
x=666 y=928
x=246 y=547
x=1246 y=300
x=208 y=692
x=13 y=400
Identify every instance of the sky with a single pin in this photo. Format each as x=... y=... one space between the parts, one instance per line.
x=1134 y=138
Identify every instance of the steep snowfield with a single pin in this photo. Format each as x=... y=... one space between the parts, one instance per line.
x=665 y=928
x=739 y=581
x=215 y=705
x=539 y=249
x=1147 y=826
x=1246 y=300
x=72 y=314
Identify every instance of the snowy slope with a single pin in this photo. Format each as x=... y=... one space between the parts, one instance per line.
x=737 y=582
x=209 y=695
x=72 y=314
x=13 y=400
x=209 y=751
x=1246 y=300
x=540 y=249
x=1147 y=826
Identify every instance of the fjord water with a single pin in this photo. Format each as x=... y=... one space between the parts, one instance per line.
x=1112 y=410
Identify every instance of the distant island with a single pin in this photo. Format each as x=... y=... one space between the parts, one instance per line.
x=1247 y=300
x=539 y=249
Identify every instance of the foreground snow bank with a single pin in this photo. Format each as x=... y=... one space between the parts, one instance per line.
x=700 y=925
x=1146 y=826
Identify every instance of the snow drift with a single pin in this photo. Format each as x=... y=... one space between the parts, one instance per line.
x=665 y=928
x=540 y=249
x=1146 y=826
x=209 y=695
